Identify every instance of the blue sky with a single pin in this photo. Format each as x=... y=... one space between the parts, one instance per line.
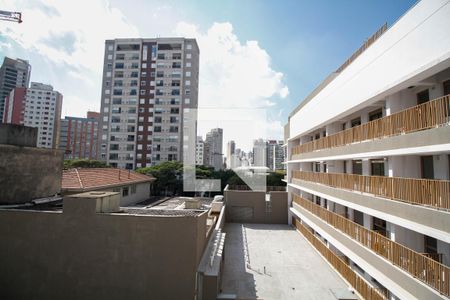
x=291 y=46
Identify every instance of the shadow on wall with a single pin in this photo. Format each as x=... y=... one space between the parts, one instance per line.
x=256 y=207
x=236 y=278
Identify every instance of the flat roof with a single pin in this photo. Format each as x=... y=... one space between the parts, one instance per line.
x=274 y=261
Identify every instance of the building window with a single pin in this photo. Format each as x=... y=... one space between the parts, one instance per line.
x=125 y=191
x=189 y=46
x=133 y=189
x=188 y=56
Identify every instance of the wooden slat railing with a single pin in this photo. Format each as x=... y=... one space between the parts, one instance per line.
x=434 y=193
x=424 y=268
x=359 y=284
x=424 y=116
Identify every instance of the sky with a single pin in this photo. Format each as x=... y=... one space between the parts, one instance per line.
x=258 y=59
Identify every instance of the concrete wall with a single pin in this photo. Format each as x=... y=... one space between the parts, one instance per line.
x=81 y=254
x=18 y=135
x=278 y=213
x=29 y=173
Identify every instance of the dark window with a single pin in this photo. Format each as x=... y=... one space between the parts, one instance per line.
x=427 y=167
x=446 y=87
x=377 y=167
x=357 y=167
x=377 y=114
x=128 y=47
x=169 y=46
x=356 y=122
x=423 y=97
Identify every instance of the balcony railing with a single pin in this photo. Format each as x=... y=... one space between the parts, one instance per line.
x=424 y=268
x=434 y=193
x=424 y=116
x=358 y=283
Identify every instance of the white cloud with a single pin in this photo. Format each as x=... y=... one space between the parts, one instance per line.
x=235 y=75
x=64 y=41
x=71 y=32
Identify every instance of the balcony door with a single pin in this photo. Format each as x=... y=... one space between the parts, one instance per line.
x=423 y=97
x=377 y=167
x=426 y=163
x=357 y=167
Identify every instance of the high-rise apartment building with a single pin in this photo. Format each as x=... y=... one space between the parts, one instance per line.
x=231 y=146
x=199 y=151
x=275 y=155
x=213 y=148
x=259 y=153
x=13 y=73
x=148 y=85
x=368 y=160
x=38 y=106
x=79 y=136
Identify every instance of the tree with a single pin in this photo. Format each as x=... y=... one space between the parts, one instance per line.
x=168 y=177
x=84 y=163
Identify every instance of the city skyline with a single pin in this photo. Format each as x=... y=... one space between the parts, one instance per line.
x=231 y=50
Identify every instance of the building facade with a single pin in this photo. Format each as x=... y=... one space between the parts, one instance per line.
x=79 y=136
x=148 y=85
x=259 y=153
x=213 y=148
x=275 y=155
x=38 y=106
x=231 y=147
x=199 y=151
x=13 y=73
x=368 y=177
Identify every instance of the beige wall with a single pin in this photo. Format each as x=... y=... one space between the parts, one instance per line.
x=87 y=255
x=238 y=200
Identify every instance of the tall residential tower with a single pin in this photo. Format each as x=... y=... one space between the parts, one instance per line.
x=148 y=85
x=13 y=73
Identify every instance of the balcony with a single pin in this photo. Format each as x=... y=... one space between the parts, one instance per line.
x=429 y=115
x=433 y=193
x=420 y=266
x=354 y=279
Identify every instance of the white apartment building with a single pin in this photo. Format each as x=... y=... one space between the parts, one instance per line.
x=213 y=148
x=38 y=106
x=199 y=151
x=148 y=85
x=368 y=156
x=260 y=153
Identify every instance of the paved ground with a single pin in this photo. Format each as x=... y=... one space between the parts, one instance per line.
x=293 y=269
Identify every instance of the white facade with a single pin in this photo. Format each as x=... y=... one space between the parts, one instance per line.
x=199 y=151
x=406 y=68
x=259 y=153
x=213 y=148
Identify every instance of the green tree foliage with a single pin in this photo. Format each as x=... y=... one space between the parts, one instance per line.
x=169 y=178
x=84 y=163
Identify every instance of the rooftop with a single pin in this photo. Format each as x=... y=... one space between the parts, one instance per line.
x=87 y=179
x=265 y=261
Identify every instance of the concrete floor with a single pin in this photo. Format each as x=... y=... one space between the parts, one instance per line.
x=293 y=269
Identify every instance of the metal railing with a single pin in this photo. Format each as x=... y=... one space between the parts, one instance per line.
x=356 y=281
x=433 y=193
x=424 y=268
x=424 y=116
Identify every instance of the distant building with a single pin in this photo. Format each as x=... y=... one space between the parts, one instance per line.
x=213 y=148
x=79 y=136
x=132 y=187
x=231 y=146
x=259 y=153
x=13 y=73
x=147 y=86
x=275 y=155
x=199 y=151
x=38 y=106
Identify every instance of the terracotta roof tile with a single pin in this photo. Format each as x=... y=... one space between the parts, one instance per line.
x=94 y=178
